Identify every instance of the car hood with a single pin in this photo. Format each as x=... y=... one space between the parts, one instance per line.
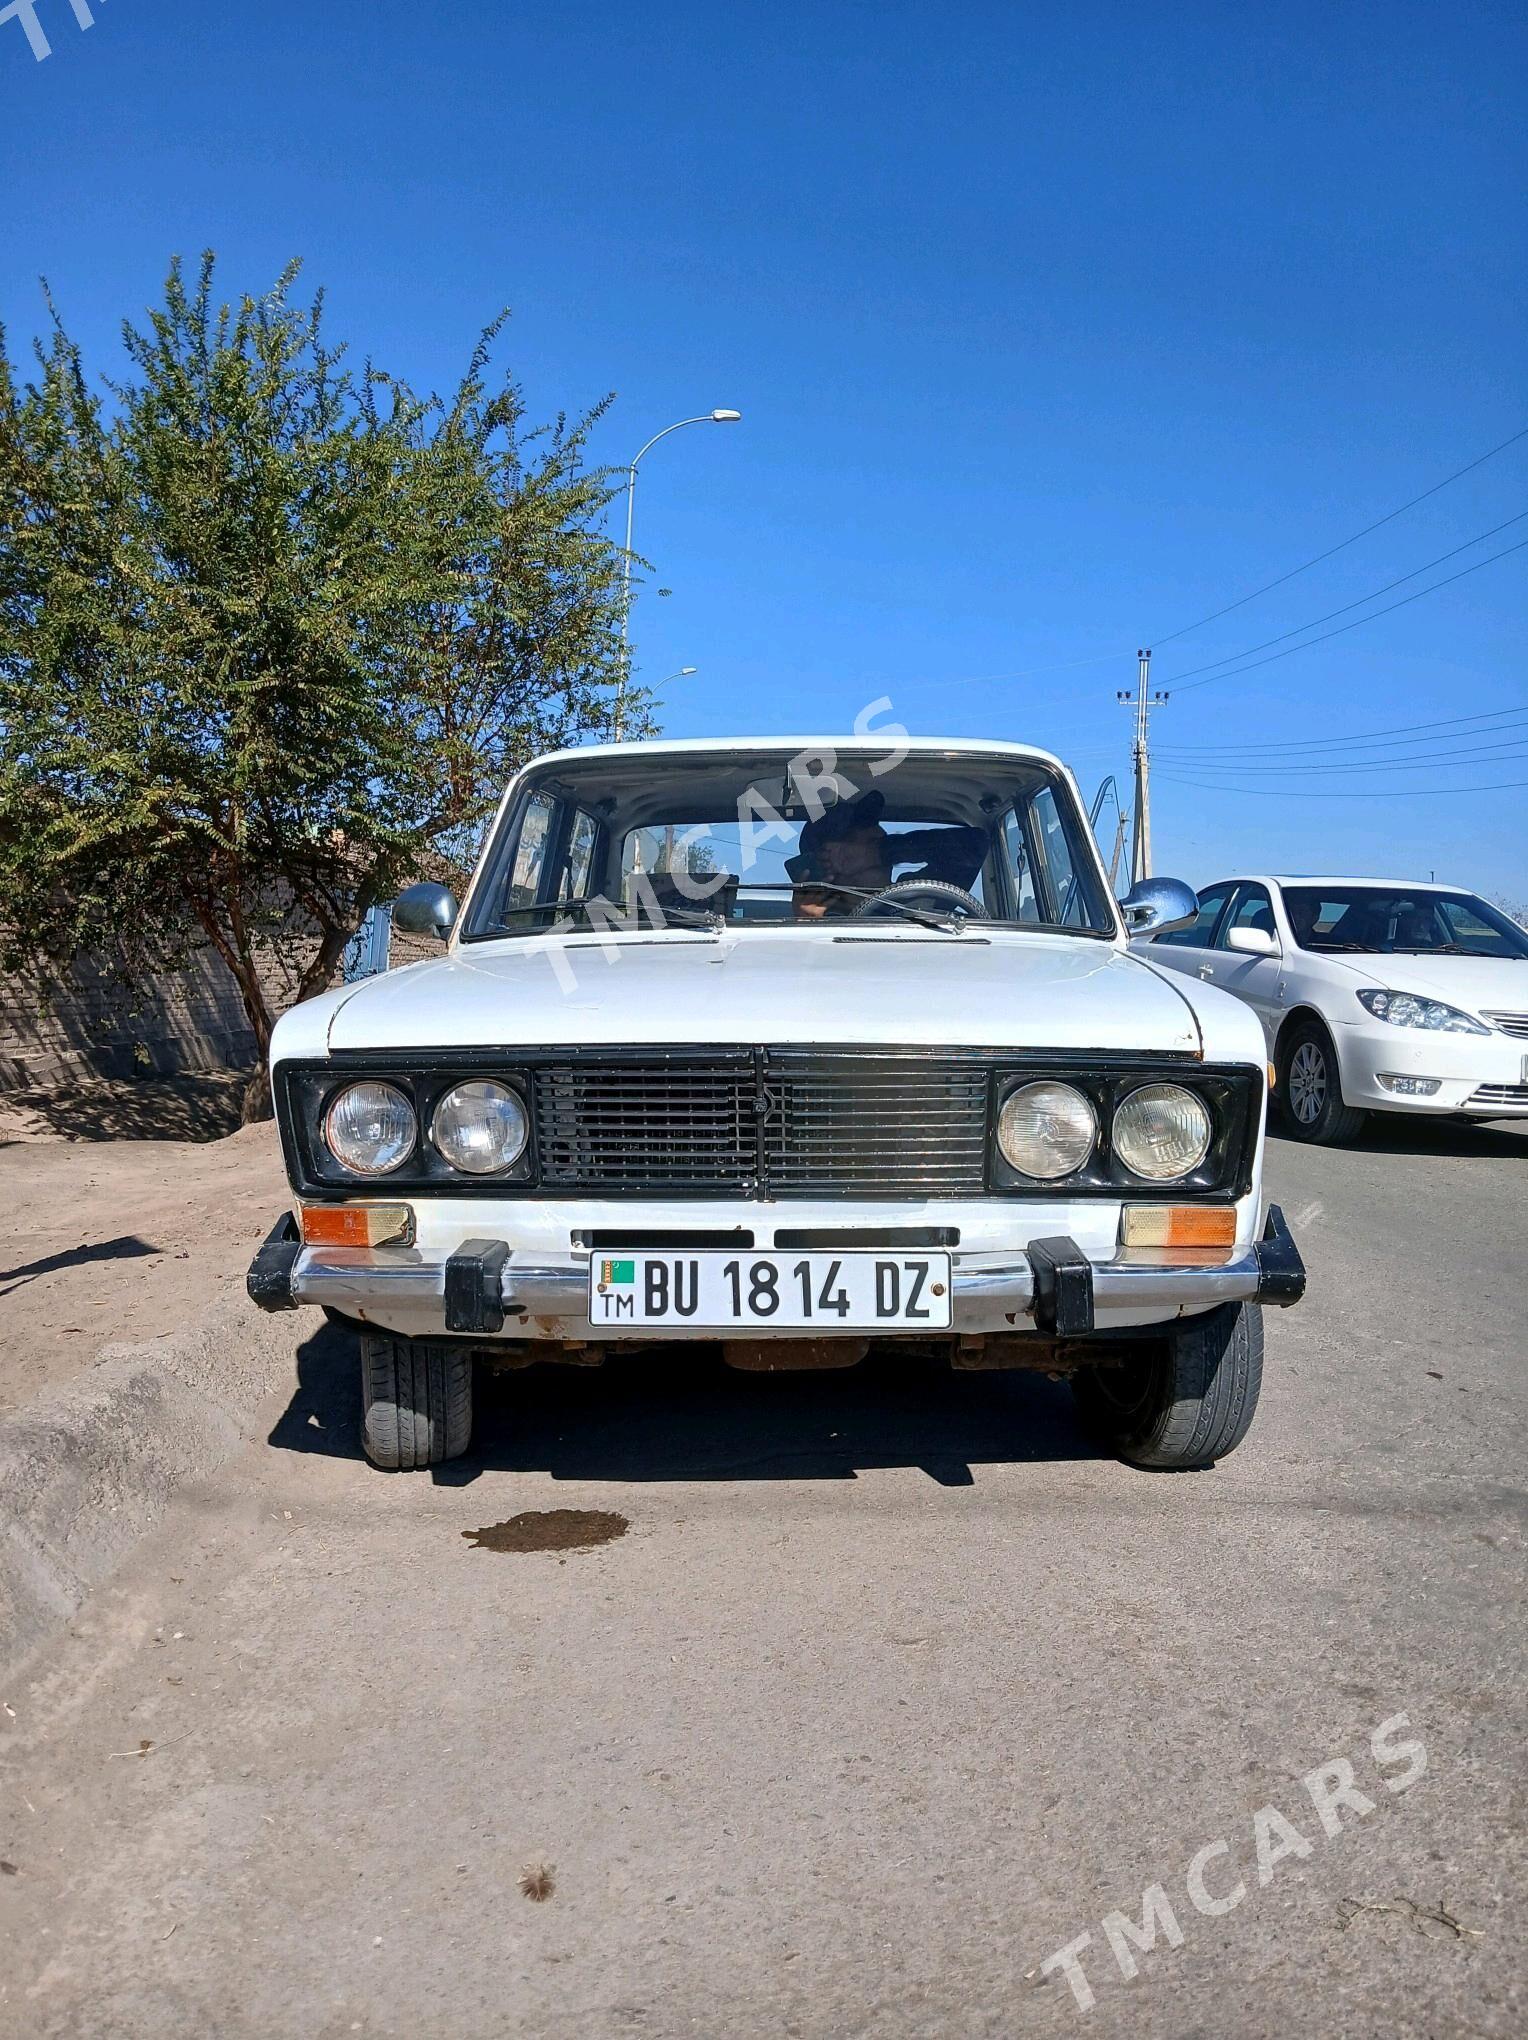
x=1481 y=984
x=912 y=989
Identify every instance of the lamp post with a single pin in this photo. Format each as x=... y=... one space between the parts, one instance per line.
x=720 y=417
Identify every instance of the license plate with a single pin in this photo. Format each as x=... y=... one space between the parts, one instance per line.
x=828 y=1292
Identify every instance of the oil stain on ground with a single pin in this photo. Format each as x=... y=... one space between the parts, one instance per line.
x=549 y=1530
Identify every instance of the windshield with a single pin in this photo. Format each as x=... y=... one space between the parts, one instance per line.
x=1376 y=920
x=754 y=840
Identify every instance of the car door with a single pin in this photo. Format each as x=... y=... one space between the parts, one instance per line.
x=1191 y=950
x=1257 y=979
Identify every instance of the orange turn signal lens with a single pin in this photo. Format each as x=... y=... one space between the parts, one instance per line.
x=357 y=1225
x=1177 y=1225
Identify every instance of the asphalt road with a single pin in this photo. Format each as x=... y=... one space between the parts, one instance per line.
x=890 y=1690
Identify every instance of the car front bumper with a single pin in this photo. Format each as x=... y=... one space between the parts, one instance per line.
x=484 y=1291
x=1485 y=1076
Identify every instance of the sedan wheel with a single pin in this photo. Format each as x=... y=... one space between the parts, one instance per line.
x=1313 y=1107
x=1307 y=1083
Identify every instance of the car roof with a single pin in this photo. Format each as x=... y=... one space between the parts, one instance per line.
x=1333 y=878
x=874 y=742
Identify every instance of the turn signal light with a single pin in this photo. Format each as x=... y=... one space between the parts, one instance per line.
x=357 y=1225
x=1177 y=1225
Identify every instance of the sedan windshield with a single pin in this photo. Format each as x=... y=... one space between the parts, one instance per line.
x=1374 y=920
x=748 y=839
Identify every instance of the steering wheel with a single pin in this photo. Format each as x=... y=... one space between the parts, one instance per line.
x=929 y=896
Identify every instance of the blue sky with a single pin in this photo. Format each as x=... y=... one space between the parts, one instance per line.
x=1054 y=329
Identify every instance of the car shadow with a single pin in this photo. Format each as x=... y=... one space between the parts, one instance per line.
x=679 y=1413
x=126 y=1247
x=1397 y=1133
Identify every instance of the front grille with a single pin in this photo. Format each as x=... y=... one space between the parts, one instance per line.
x=918 y=1130
x=633 y=1126
x=1509 y=1023
x=1500 y=1094
x=770 y=1123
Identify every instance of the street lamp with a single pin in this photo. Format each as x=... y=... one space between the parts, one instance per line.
x=683 y=674
x=719 y=417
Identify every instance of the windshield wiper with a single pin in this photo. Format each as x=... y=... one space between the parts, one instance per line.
x=923 y=915
x=1453 y=949
x=621 y=921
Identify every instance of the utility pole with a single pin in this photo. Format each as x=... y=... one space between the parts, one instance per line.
x=1143 y=701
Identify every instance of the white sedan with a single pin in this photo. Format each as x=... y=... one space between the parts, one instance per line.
x=1376 y=995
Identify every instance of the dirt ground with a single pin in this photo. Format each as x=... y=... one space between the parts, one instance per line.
x=113 y=1235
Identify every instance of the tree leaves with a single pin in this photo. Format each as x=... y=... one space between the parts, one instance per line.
x=274 y=632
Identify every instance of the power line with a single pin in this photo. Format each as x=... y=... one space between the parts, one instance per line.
x=1268 y=586
x=1363 y=736
x=1373 y=596
x=1347 y=792
x=1431 y=589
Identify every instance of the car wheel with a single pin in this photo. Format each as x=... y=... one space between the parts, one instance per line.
x=1187 y=1401
x=418 y=1401
x=1312 y=1091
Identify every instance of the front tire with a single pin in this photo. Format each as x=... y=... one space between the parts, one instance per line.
x=417 y=1397
x=1311 y=1088
x=1185 y=1403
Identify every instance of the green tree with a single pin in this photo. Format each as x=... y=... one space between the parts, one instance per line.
x=274 y=632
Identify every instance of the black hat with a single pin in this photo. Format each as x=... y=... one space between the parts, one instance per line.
x=844 y=818
x=864 y=811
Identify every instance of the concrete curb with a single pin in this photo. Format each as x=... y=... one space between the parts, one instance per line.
x=88 y=1469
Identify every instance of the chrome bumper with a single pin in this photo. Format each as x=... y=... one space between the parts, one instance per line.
x=485 y=1290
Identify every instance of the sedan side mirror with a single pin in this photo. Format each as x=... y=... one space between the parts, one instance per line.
x=425 y=909
x=1153 y=906
x=1253 y=942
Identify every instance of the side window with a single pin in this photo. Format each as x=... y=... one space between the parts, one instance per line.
x=524 y=888
x=1253 y=909
x=578 y=863
x=1026 y=906
x=1200 y=932
x=1070 y=908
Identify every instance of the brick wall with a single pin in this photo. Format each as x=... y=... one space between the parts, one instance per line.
x=193 y=1020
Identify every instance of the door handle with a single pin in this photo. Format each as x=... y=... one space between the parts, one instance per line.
x=1206 y=970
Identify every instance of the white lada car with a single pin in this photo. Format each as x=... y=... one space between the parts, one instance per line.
x=1376 y=995
x=792 y=1045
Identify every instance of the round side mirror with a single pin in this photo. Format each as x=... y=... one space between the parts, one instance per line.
x=425 y=909
x=1156 y=905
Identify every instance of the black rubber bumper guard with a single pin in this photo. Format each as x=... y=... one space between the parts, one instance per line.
x=269 y=1280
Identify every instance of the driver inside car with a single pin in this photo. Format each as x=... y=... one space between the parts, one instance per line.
x=847 y=855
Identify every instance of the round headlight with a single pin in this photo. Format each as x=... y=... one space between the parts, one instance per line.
x=480 y=1127
x=370 y=1128
x=1046 y=1130
x=1162 y=1132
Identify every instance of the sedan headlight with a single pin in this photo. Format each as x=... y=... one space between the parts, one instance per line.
x=1404 y=1009
x=480 y=1128
x=1046 y=1130
x=370 y=1128
x=1162 y=1132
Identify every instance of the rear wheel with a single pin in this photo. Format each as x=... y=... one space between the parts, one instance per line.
x=1186 y=1402
x=1312 y=1090
x=418 y=1401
